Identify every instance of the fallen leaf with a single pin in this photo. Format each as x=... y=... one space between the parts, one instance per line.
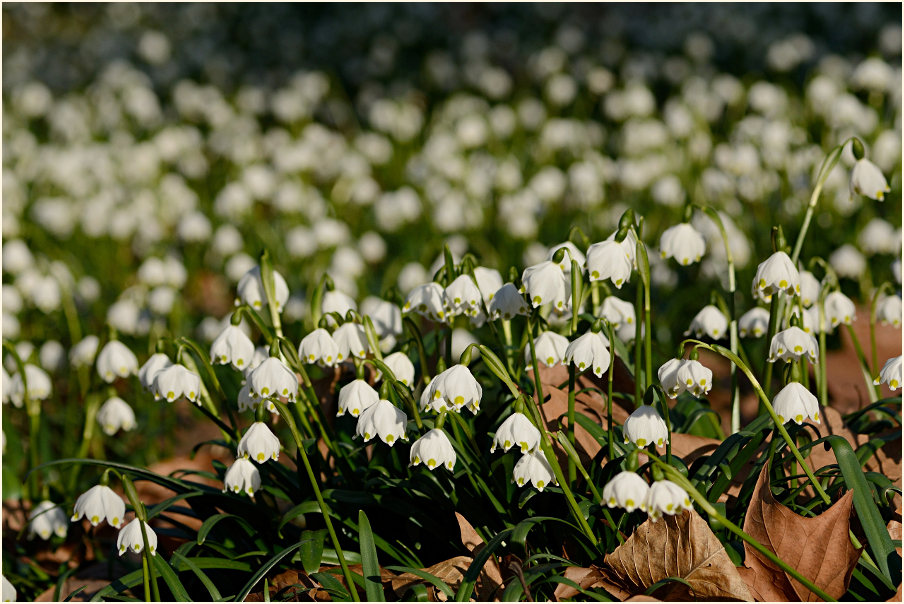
x=894 y=531
x=490 y=578
x=451 y=572
x=91 y=587
x=469 y=537
x=587 y=578
x=818 y=547
x=681 y=546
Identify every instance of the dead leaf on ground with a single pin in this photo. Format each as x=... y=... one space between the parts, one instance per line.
x=490 y=578
x=818 y=547
x=451 y=572
x=91 y=587
x=587 y=578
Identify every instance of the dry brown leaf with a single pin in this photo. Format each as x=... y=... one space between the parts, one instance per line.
x=818 y=547
x=681 y=546
x=587 y=578
x=469 y=537
x=91 y=587
x=490 y=578
x=451 y=572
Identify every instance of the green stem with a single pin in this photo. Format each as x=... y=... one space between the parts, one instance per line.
x=141 y=516
x=644 y=269
x=827 y=164
x=572 y=473
x=774 y=310
x=91 y=407
x=638 y=344
x=507 y=341
x=823 y=377
x=610 y=429
x=864 y=366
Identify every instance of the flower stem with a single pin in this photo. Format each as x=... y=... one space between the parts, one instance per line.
x=572 y=473
x=610 y=428
x=864 y=366
x=644 y=269
x=770 y=333
x=827 y=164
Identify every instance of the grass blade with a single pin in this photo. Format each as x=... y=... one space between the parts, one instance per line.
x=172 y=581
x=263 y=570
x=373 y=587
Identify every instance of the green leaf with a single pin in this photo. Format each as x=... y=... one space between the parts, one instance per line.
x=312 y=550
x=332 y=585
x=263 y=570
x=373 y=587
x=210 y=562
x=466 y=589
x=172 y=581
x=662 y=583
x=205 y=580
x=208 y=525
x=433 y=579
x=307 y=507
x=590 y=594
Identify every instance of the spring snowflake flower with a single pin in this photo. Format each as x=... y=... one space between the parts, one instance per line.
x=242 y=476
x=382 y=419
x=867 y=179
x=401 y=366
x=572 y=253
x=455 y=388
x=709 y=321
x=618 y=312
x=129 y=538
x=462 y=297
x=533 y=468
x=177 y=381
x=609 y=260
x=839 y=309
x=386 y=317
x=154 y=365
x=888 y=310
x=232 y=346
x=8 y=591
x=695 y=377
x=46 y=519
x=97 y=504
x=351 y=340
x=794 y=402
x=259 y=443
x=489 y=281
x=644 y=427
x=116 y=360
x=545 y=283
x=809 y=288
x=250 y=290
x=776 y=274
x=507 y=302
x=273 y=378
x=550 y=348
x=319 y=347
x=115 y=414
x=683 y=243
x=39 y=385
x=355 y=397
x=338 y=302
x=792 y=344
x=890 y=373
x=666 y=497
x=517 y=429
x=626 y=490
x=754 y=322
x=433 y=449
x=589 y=350
x=82 y=354
x=427 y=301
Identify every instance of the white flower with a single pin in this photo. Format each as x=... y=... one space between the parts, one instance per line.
x=668 y=377
x=116 y=360
x=46 y=519
x=550 y=348
x=533 y=468
x=589 y=351
x=839 y=309
x=776 y=274
x=489 y=281
x=809 y=320
x=8 y=591
x=809 y=288
x=401 y=366
x=890 y=373
x=427 y=301
x=626 y=490
x=754 y=322
x=507 y=302
x=888 y=310
x=629 y=244
x=351 y=340
x=517 y=429
x=130 y=539
x=867 y=179
x=386 y=317
x=709 y=321
x=695 y=377
x=115 y=414
x=154 y=365
x=683 y=243
x=99 y=503
x=382 y=419
x=455 y=388
x=338 y=302
x=462 y=297
x=545 y=283
x=242 y=476
x=319 y=347
x=644 y=427
x=792 y=344
x=618 y=312
x=39 y=385
x=82 y=354
x=273 y=378
x=250 y=290
x=177 y=381
x=355 y=397
x=666 y=497
x=232 y=346
x=259 y=443
x=794 y=402
x=848 y=261
x=572 y=253
x=52 y=355
x=609 y=260
x=433 y=449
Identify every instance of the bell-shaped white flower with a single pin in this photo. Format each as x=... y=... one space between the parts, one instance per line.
x=273 y=378
x=668 y=377
x=116 y=360
x=177 y=381
x=462 y=296
x=809 y=320
x=319 y=347
x=386 y=317
x=533 y=468
x=517 y=429
x=99 y=503
x=795 y=403
x=455 y=388
x=433 y=449
x=618 y=312
x=338 y=302
x=545 y=283
x=695 y=377
x=250 y=290
x=259 y=443
x=130 y=539
x=589 y=351
x=154 y=365
x=572 y=252
x=890 y=373
x=425 y=401
x=629 y=245
x=242 y=477
x=115 y=414
x=355 y=397
x=776 y=274
x=709 y=321
x=809 y=288
x=351 y=340
x=867 y=179
x=683 y=243
x=382 y=419
x=489 y=281
x=839 y=309
x=791 y=344
x=753 y=323
x=507 y=302
x=232 y=346
x=609 y=260
x=46 y=519
x=645 y=427
x=401 y=366
x=550 y=348
x=39 y=385
x=8 y=592
x=427 y=301
x=666 y=497
x=82 y=354
x=626 y=490
x=888 y=310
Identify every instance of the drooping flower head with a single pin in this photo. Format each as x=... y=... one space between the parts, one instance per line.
x=796 y=403
x=177 y=381
x=46 y=519
x=116 y=360
x=99 y=503
x=533 y=468
x=754 y=322
x=355 y=397
x=455 y=388
x=242 y=477
x=710 y=322
x=259 y=443
x=427 y=301
x=792 y=344
x=319 y=347
x=888 y=310
x=609 y=260
x=776 y=274
x=517 y=429
x=251 y=290
x=507 y=303
x=589 y=351
x=433 y=449
x=550 y=348
x=683 y=243
x=626 y=490
x=154 y=365
x=351 y=340
x=666 y=497
x=545 y=283
x=382 y=419
x=115 y=414
x=839 y=309
x=401 y=366
x=462 y=296
x=130 y=539
x=645 y=427
x=890 y=373
x=232 y=346
x=867 y=179
x=273 y=378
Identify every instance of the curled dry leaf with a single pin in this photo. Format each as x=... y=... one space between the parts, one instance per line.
x=490 y=579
